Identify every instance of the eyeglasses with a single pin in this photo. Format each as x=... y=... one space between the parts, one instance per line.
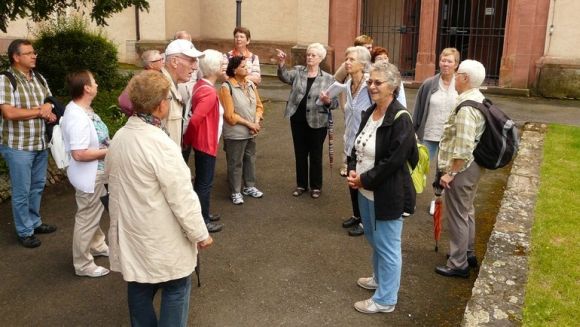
x=376 y=82
x=33 y=53
x=158 y=60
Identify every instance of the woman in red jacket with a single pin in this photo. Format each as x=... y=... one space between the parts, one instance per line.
x=204 y=130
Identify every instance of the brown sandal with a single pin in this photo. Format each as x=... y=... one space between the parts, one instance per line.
x=298 y=191
x=315 y=194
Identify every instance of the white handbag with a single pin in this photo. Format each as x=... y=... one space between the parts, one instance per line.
x=56 y=145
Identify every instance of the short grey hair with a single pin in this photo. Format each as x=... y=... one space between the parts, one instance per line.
x=149 y=56
x=474 y=70
x=211 y=63
x=318 y=48
x=390 y=73
x=362 y=54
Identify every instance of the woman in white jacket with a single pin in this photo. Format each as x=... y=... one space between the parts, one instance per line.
x=156 y=222
x=86 y=138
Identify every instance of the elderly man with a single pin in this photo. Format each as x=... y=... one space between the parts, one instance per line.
x=23 y=143
x=460 y=172
x=152 y=59
x=180 y=61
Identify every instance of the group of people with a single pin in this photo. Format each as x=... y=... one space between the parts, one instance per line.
x=159 y=220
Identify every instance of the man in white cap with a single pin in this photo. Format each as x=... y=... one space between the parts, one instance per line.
x=180 y=62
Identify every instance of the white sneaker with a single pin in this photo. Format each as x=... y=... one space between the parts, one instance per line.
x=370 y=306
x=237 y=198
x=253 y=192
x=98 y=271
x=368 y=283
x=432 y=208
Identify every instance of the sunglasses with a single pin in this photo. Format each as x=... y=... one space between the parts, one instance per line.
x=377 y=83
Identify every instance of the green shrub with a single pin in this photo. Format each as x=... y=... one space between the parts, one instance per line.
x=68 y=44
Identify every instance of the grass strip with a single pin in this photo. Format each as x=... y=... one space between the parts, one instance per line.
x=553 y=289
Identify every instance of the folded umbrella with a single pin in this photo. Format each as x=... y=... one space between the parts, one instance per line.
x=330 y=139
x=438 y=190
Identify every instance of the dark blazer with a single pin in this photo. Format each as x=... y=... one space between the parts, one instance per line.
x=316 y=116
x=395 y=146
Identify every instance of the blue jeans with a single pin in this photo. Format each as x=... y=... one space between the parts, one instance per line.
x=174 y=303
x=203 y=182
x=384 y=236
x=433 y=148
x=27 y=180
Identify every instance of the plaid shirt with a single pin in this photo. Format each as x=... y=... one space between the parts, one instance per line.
x=27 y=135
x=461 y=132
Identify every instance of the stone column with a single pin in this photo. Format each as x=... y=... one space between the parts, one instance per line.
x=426 y=56
x=343 y=27
x=524 y=42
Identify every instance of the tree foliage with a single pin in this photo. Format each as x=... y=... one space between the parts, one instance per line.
x=39 y=10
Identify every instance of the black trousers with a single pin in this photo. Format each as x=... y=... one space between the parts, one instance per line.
x=354 y=198
x=308 y=145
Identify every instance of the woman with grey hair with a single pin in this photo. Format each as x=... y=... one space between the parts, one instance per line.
x=358 y=99
x=203 y=131
x=378 y=169
x=308 y=109
x=152 y=59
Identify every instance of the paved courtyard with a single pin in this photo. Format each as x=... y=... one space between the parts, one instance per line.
x=280 y=261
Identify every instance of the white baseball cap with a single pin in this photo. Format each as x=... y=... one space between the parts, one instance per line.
x=183 y=47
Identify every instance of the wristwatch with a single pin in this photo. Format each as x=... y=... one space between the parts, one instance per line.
x=452 y=173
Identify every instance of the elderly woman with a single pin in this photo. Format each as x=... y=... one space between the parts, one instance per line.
x=243 y=111
x=152 y=59
x=241 y=41
x=86 y=137
x=308 y=109
x=358 y=99
x=204 y=129
x=435 y=101
x=156 y=222
x=378 y=169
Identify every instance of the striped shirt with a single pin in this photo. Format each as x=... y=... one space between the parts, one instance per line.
x=461 y=133
x=27 y=135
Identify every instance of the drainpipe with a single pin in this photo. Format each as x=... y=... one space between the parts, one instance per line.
x=137 y=30
x=238 y=13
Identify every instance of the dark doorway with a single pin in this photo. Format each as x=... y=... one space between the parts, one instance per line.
x=394 y=25
x=476 y=28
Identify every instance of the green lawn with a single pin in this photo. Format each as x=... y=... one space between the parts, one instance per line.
x=553 y=289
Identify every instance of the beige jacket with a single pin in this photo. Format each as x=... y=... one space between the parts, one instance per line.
x=174 y=121
x=156 y=219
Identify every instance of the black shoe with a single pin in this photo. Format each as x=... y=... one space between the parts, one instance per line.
x=215 y=217
x=450 y=272
x=357 y=230
x=350 y=222
x=45 y=229
x=214 y=227
x=29 y=241
x=472 y=261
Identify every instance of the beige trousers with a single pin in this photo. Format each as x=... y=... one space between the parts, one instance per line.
x=87 y=232
x=460 y=215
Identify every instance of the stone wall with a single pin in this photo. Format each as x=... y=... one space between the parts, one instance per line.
x=498 y=293
x=559 y=77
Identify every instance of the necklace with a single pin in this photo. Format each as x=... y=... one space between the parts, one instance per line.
x=364 y=137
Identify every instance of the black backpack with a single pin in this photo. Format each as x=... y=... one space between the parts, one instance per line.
x=499 y=141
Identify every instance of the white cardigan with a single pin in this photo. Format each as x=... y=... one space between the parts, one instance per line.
x=156 y=219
